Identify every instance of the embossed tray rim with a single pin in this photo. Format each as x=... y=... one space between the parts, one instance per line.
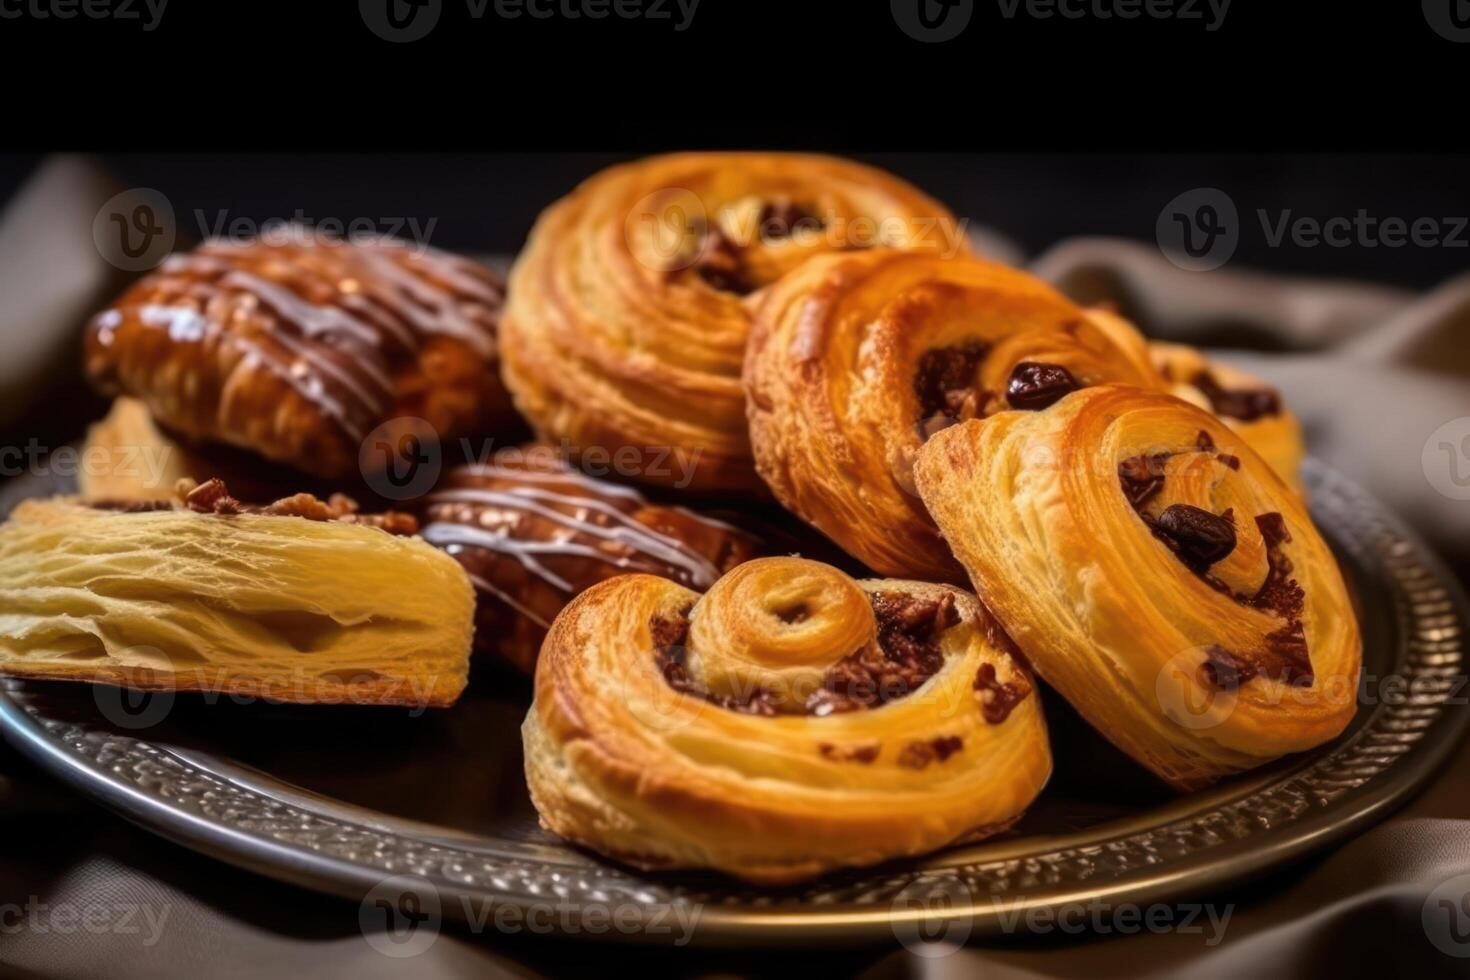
x=1432 y=612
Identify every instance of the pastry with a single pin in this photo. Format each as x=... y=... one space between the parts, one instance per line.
x=855 y=360
x=302 y=601
x=629 y=306
x=790 y=721
x=1155 y=571
x=1246 y=403
x=299 y=349
x=532 y=532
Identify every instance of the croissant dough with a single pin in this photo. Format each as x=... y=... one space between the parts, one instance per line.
x=627 y=315
x=277 y=607
x=1196 y=659
x=855 y=358
x=299 y=350
x=1246 y=403
x=621 y=758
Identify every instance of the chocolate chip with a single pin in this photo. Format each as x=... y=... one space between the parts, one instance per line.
x=1142 y=477
x=782 y=219
x=1034 y=386
x=1202 y=538
x=1246 y=404
x=945 y=384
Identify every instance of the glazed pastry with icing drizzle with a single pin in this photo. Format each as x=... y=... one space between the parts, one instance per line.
x=790 y=721
x=1155 y=571
x=629 y=307
x=855 y=360
x=1245 y=403
x=299 y=350
x=532 y=532
x=303 y=600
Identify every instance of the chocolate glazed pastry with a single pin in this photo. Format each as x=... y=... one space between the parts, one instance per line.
x=789 y=721
x=855 y=360
x=533 y=532
x=298 y=351
x=629 y=307
x=1157 y=573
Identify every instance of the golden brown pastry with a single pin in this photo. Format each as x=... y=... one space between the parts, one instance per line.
x=299 y=349
x=627 y=317
x=303 y=601
x=1155 y=571
x=855 y=360
x=532 y=532
x=1246 y=403
x=790 y=721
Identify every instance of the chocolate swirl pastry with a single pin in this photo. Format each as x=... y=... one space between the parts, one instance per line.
x=856 y=360
x=299 y=350
x=1245 y=403
x=789 y=721
x=628 y=310
x=302 y=600
x=533 y=532
x=1157 y=573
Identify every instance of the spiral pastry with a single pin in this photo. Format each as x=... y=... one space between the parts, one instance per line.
x=299 y=348
x=1157 y=572
x=532 y=532
x=627 y=316
x=790 y=721
x=855 y=360
x=1246 y=403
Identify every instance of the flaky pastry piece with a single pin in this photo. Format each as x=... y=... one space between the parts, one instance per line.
x=1246 y=403
x=299 y=348
x=855 y=360
x=302 y=601
x=532 y=532
x=790 y=721
x=627 y=316
x=1155 y=571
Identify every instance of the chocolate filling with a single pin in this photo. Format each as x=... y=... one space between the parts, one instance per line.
x=1200 y=539
x=865 y=753
x=1246 y=404
x=721 y=264
x=905 y=655
x=924 y=752
x=784 y=218
x=213 y=497
x=1035 y=386
x=998 y=698
x=945 y=385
